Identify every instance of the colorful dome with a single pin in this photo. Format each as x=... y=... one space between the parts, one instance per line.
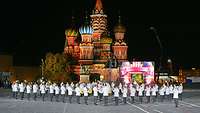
x=119 y=27
x=71 y=32
x=86 y=29
x=106 y=40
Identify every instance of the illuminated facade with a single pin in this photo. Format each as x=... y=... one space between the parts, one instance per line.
x=97 y=52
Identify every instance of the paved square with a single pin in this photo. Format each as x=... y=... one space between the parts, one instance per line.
x=189 y=104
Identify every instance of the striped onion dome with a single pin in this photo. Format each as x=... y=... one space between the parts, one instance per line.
x=71 y=32
x=86 y=28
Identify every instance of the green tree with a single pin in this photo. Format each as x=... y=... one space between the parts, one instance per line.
x=58 y=67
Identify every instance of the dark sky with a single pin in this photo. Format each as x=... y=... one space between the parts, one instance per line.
x=30 y=28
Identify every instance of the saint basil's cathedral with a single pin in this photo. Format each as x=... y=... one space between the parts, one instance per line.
x=97 y=53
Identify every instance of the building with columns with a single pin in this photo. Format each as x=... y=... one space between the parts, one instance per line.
x=97 y=52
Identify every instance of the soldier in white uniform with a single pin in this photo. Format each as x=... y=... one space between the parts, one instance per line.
x=57 y=92
x=180 y=90
x=42 y=90
x=147 y=93
x=153 y=93
x=78 y=93
x=105 y=94
x=95 y=94
x=28 y=90
x=120 y=88
x=15 y=89
x=132 y=93
x=100 y=89
x=171 y=88
x=140 y=92
x=124 y=93
x=167 y=92
x=51 y=91
x=35 y=90
x=21 y=90
x=162 y=92
x=63 y=91
x=70 y=93
x=175 y=95
x=116 y=94
x=85 y=94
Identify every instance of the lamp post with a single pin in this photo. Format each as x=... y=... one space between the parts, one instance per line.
x=169 y=61
x=161 y=49
x=160 y=45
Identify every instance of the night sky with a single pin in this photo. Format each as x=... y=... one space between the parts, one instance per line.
x=31 y=28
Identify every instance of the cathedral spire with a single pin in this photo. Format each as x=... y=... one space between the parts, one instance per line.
x=119 y=18
x=98 y=5
x=72 y=19
x=86 y=19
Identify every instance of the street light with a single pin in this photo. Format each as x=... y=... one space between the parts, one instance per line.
x=160 y=45
x=169 y=61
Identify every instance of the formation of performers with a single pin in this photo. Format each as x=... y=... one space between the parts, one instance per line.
x=100 y=91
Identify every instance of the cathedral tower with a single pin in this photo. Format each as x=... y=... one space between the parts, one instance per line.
x=86 y=45
x=98 y=19
x=119 y=46
x=71 y=44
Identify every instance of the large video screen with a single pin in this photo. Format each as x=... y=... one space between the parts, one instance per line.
x=140 y=71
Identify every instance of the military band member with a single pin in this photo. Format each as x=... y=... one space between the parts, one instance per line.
x=78 y=93
x=66 y=86
x=95 y=94
x=42 y=91
x=140 y=92
x=162 y=92
x=175 y=95
x=57 y=92
x=171 y=88
x=85 y=94
x=124 y=93
x=132 y=93
x=63 y=90
x=105 y=93
x=15 y=89
x=28 y=90
x=35 y=90
x=180 y=90
x=116 y=95
x=100 y=89
x=70 y=93
x=167 y=92
x=153 y=93
x=21 y=90
x=147 y=93
x=51 y=91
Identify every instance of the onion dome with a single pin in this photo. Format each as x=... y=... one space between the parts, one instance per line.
x=86 y=28
x=72 y=31
x=119 y=28
x=106 y=38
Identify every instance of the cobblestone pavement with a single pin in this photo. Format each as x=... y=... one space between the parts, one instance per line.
x=189 y=104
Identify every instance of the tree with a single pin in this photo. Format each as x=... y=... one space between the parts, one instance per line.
x=59 y=67
x=53 y=67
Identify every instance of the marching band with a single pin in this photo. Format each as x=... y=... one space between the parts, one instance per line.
x=99 y=91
